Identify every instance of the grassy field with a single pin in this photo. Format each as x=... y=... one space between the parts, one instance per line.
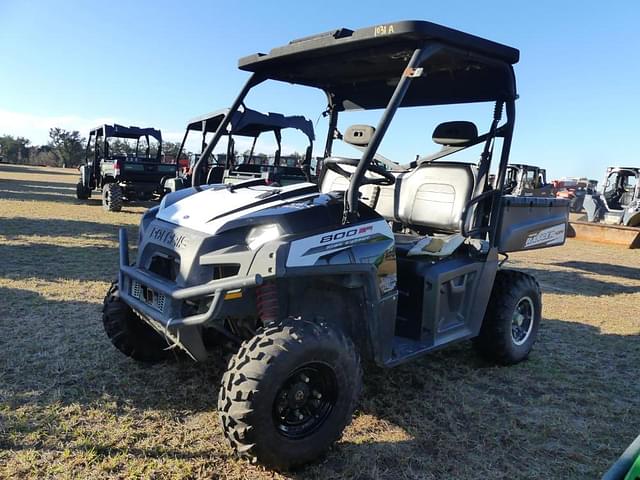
x=72 y=406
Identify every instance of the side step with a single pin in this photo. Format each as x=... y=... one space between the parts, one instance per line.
x=405 y=349
x=628 y=237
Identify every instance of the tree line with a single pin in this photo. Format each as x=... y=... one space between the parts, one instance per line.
x=65 y=148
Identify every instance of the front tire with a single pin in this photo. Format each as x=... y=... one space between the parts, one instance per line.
x=289 y=393
x=512 y=319
x=130 y=334
x=112 y=197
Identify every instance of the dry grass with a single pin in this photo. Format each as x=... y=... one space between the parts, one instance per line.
x=71 y=406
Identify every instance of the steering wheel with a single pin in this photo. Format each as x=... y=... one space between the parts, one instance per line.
x=387 y=178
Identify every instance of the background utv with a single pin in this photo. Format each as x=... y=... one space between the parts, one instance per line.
x=123 y=176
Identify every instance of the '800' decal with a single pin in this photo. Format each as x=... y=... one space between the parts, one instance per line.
x=346 y=234
x=306 y=251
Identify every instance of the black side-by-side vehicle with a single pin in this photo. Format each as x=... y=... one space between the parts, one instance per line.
x=123 y=175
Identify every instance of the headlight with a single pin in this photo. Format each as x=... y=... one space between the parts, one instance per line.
x=262 y=234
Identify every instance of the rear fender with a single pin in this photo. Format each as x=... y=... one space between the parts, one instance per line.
x=107 y=179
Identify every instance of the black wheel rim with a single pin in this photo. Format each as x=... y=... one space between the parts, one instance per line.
x=522 y=321
x=305 y=400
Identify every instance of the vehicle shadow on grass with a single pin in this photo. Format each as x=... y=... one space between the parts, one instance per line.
x=58 y=249
x=580 y=281
x=43 y=261
x=33 y=190
x=603 y=269
x=57 y=351
x=14 y=227
x=445 y=415
x=16 y=168
x=571 y=403
x=36 y=185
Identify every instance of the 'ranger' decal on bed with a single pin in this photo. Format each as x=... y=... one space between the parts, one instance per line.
x=548 y=236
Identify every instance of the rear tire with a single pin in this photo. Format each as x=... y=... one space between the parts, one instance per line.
x=82 y=192
x=289 y=393
x=512 y=319
x=128 y=332
x=112 y=197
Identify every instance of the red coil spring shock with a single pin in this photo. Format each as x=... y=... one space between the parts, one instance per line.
x=267 y=302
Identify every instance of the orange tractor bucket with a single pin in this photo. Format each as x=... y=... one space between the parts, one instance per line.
x=628 y=237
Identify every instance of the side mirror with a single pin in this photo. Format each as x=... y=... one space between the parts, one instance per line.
x=455 y=133
x=359 y=135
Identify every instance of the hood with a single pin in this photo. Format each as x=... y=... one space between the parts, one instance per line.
x=210 y=208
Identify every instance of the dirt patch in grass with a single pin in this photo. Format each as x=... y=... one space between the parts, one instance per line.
x=72 y=406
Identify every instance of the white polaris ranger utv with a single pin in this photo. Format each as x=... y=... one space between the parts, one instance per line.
x=372 y=264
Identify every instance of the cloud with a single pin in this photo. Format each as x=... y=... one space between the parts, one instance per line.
x=36 y=127
x=172 y=136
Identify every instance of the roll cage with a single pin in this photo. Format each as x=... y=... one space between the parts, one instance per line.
x=402 y=64
x=99 y=136
x=245 y=122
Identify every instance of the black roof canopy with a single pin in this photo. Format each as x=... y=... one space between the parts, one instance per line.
x=251 y=123
x=361 y=68
x=120 y=131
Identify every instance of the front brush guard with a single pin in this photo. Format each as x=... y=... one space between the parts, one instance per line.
x=216 y=288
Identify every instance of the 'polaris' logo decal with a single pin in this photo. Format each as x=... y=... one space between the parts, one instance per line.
x=168 y=237
x=548 y=236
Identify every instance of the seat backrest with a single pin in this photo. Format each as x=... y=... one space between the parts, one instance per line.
x=334 y=182
x=290 y=171
x=215 y=175
x=248 y=167
x=432 y=195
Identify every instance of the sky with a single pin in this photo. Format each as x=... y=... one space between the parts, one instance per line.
x=77 y=64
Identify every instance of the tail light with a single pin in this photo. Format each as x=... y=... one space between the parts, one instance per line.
x=117 y=166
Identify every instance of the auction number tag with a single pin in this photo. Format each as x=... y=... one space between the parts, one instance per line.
x=383 y=30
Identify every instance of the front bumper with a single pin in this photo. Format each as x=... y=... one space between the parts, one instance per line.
x=216 y=289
